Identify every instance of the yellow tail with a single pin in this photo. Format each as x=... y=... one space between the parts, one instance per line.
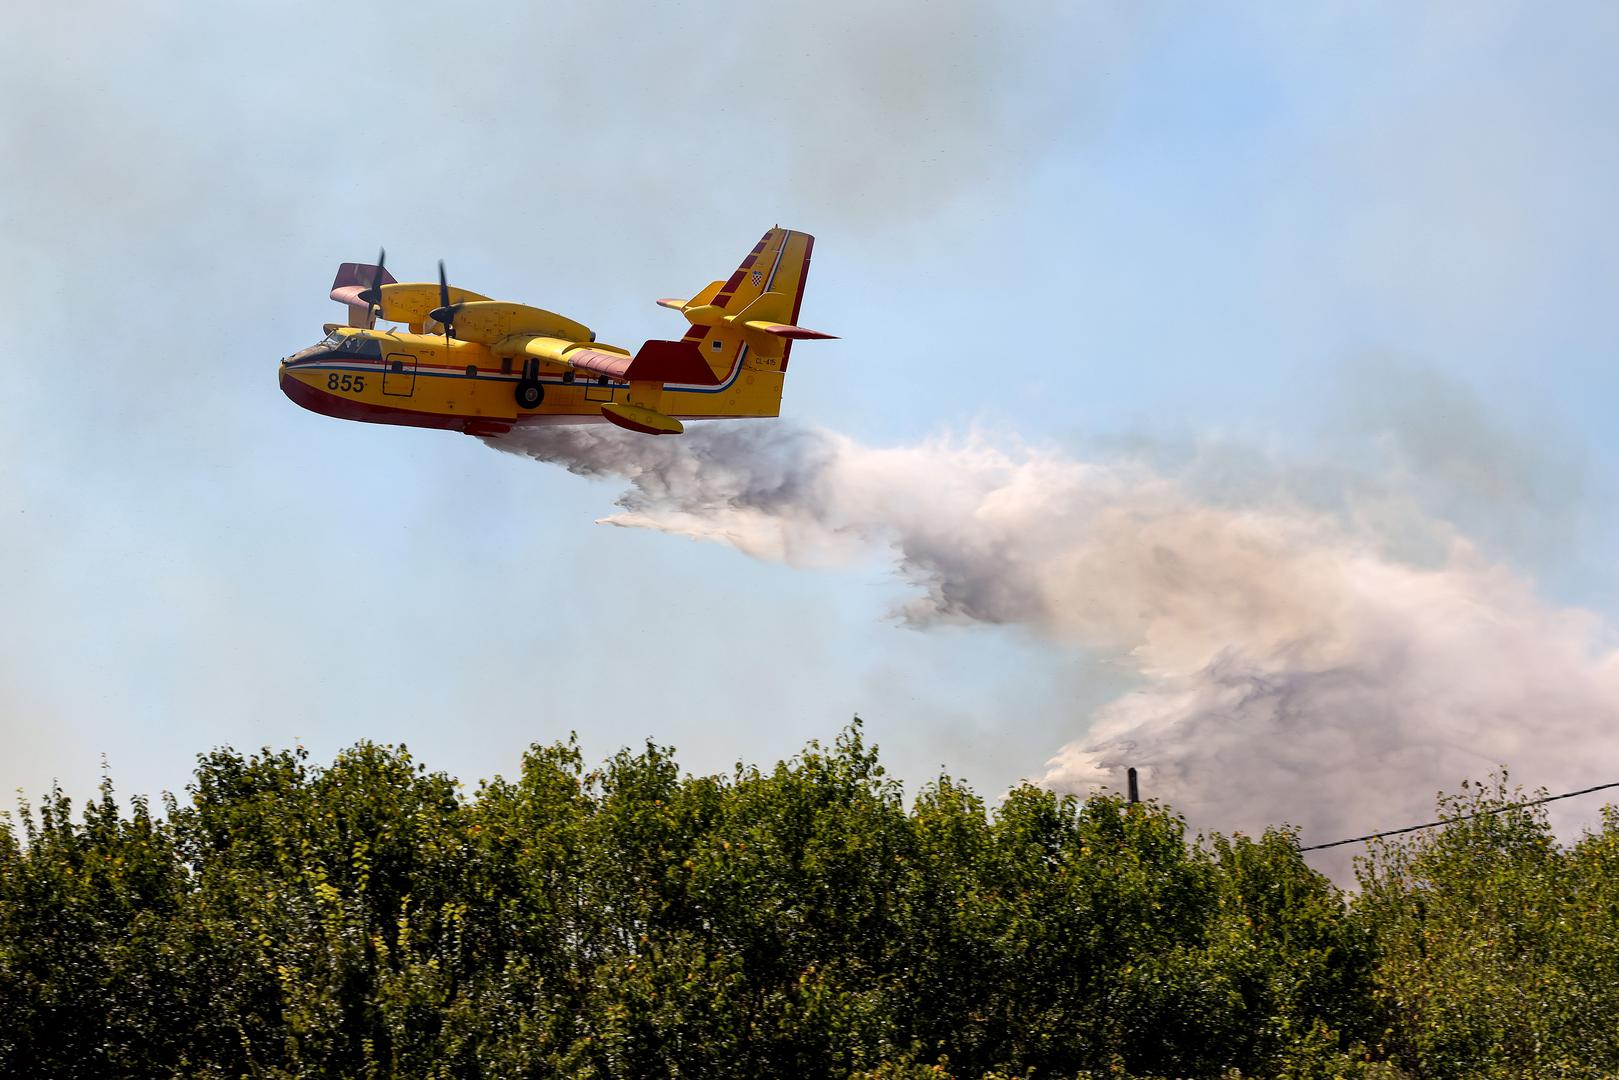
x=752 y=315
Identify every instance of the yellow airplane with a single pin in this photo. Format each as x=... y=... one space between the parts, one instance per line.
x=472 y=364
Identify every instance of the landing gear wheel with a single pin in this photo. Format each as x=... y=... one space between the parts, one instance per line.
x=529 y=394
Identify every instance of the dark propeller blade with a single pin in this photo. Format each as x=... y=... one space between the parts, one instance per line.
x=373 y=295
x=445 y=312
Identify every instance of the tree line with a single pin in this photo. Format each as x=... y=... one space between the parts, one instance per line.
x=367 y=918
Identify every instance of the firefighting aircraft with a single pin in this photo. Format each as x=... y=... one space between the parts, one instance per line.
x=472 y=364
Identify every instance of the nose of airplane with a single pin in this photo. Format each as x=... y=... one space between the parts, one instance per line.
x=301 y=393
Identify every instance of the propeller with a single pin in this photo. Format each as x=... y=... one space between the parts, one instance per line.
x=373 y=295
x=445 y=312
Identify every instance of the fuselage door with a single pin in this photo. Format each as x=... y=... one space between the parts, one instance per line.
x=399 y=376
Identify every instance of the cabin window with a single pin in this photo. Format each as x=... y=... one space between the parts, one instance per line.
x=399 y=365
x=472 y=371
x=367 y=348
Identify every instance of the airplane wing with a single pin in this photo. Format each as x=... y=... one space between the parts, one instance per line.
x=679 y=362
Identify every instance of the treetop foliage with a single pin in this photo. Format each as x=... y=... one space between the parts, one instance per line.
x=366 y=918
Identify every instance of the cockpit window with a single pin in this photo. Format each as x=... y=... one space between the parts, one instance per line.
x=339 y=347
x=357 y=345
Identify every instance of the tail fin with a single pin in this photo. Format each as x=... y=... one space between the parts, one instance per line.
x=752 y=315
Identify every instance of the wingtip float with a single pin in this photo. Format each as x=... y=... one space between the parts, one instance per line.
x=466 y=362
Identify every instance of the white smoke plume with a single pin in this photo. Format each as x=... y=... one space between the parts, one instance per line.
x=1293 y=666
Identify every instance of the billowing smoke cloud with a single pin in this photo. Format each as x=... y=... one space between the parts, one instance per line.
x=1292 y=665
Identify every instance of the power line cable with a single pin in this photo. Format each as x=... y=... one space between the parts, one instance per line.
x=1463 y=817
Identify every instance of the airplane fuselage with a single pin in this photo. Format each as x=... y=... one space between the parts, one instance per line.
x=482 y=366
x=424 y=380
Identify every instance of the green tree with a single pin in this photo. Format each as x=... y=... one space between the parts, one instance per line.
x=365 y=918
x=1486 y=934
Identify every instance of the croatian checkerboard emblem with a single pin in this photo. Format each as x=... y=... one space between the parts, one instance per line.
x=756 y=276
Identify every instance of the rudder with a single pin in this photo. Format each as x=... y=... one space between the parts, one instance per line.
x=770 y=281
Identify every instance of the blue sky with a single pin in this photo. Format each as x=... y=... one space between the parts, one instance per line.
x=1381 y=240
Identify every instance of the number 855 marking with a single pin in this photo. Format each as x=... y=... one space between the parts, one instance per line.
x=355 y=383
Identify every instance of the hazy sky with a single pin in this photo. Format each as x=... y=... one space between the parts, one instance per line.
x=1274 y=252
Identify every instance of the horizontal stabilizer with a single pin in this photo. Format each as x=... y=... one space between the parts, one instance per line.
x=698 y=308
x=792 y=333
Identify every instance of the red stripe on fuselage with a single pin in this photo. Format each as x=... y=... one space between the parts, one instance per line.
x=346 y=408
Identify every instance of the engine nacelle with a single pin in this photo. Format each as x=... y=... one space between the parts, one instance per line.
x=410 y=301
